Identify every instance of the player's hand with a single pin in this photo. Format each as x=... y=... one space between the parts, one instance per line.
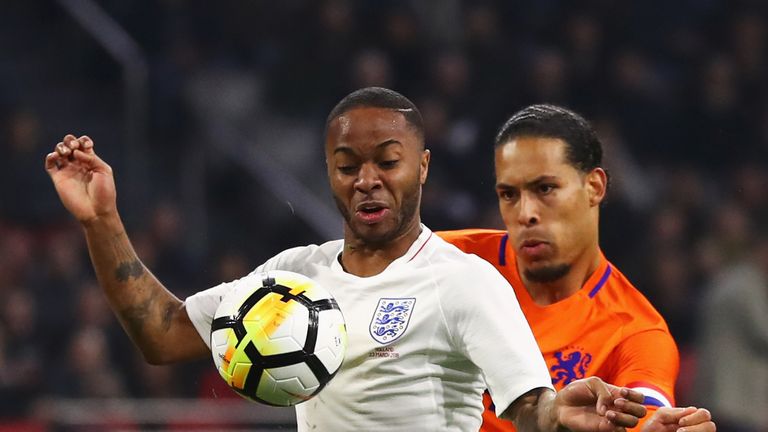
x=83 y=181
x=591 y=404
x=689 y=419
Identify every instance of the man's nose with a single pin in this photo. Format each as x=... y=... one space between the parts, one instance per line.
x=367 y=178
x=529 y=211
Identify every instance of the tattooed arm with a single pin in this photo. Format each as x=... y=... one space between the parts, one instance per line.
x=154 y=318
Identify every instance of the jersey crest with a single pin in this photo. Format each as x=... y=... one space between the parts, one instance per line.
x=390 y=319
x=572 y=364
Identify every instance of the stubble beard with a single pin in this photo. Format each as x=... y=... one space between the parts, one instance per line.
x=409 y=209
x=547 y=274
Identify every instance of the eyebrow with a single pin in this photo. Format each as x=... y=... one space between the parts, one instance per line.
x=378 y=146
x=534 y=182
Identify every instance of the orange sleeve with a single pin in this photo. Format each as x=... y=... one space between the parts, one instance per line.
x=648 y=362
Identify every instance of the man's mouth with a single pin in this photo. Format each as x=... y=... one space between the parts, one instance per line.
x=371 y=213
x=533 y=247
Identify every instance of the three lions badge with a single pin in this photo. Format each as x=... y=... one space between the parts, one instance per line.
x=390 y=319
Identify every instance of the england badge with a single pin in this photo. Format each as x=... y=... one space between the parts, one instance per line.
x=390 y=319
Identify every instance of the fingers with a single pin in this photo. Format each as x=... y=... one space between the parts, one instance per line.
x=697 y=416
x=632 y=395
x=604 y=397
x=623 y=411
x=63 y=149
x=666 y=415
x=622 y=419
x=70 y=149
x=84 y=143
x=91 y=160
x=52 y=161
x=628 y=414
x=632 y=408
x=709 y=426
x=605 y=425
x=699 y=420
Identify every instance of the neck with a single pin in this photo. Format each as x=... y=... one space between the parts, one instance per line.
x=547 y=293
x=364 y=259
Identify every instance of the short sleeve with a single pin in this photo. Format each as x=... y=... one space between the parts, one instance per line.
x=649 y=362
x=201 y=308
x=487 y=324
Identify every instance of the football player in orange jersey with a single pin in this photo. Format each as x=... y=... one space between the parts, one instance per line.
x=588 y=319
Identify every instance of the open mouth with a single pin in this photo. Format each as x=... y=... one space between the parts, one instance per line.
x=371 y=212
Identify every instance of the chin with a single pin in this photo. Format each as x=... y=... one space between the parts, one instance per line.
x=546 y=272
x=376 y=234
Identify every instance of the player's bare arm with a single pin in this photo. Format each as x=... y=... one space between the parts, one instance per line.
x=584 y=405
x=152 y=316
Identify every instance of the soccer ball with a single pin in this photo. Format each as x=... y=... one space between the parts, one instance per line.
x=278 y=338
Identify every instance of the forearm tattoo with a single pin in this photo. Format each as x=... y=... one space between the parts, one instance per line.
x=135 y=316
x=126 y=270
x=145 y=308
x=168 y=313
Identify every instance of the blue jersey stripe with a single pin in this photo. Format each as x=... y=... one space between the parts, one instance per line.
x=653 y=401
x=600 y=283
x=503 y=250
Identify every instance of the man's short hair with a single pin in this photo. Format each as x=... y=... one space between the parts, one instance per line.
x=379 y=97
x=583 y=148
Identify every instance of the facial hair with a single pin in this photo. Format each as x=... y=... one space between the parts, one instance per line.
x=547 y=274
x=408 y=211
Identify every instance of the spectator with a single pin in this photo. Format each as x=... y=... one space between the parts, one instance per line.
x=733 y=347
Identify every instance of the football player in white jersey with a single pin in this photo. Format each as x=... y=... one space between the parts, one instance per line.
x=464 y=328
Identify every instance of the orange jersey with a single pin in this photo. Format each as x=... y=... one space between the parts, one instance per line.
x=607 y=329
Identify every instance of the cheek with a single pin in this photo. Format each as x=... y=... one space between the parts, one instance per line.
x=571 y=223
x=508 y=215
x=340 y=186
x=401 y=183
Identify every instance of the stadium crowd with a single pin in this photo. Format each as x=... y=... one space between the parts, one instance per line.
x=677 y=91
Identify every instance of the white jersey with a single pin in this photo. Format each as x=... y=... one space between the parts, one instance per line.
x=460 y=330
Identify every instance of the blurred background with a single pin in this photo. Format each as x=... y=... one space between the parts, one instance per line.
x=212 y=114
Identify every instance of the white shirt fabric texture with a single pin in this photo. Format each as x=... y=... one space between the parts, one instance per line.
x=462 y=331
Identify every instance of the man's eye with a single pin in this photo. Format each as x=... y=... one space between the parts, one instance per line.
x=389 y=164
x=347 y=169
x=546 y=188
x=506 y=195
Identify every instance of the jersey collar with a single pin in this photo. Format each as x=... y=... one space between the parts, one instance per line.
x=415 y=250
x=591 y=287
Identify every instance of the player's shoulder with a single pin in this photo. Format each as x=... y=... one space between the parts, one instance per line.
x=455 y=259
x=295 y=258
x=473 y=239
x=460 y=277
x=623 y=299
x=618 y=282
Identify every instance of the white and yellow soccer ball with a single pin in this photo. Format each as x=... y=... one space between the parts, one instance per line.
x=278 y=338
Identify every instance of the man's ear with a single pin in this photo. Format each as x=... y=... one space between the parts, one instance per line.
x=424 y=165
x=597 y=186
